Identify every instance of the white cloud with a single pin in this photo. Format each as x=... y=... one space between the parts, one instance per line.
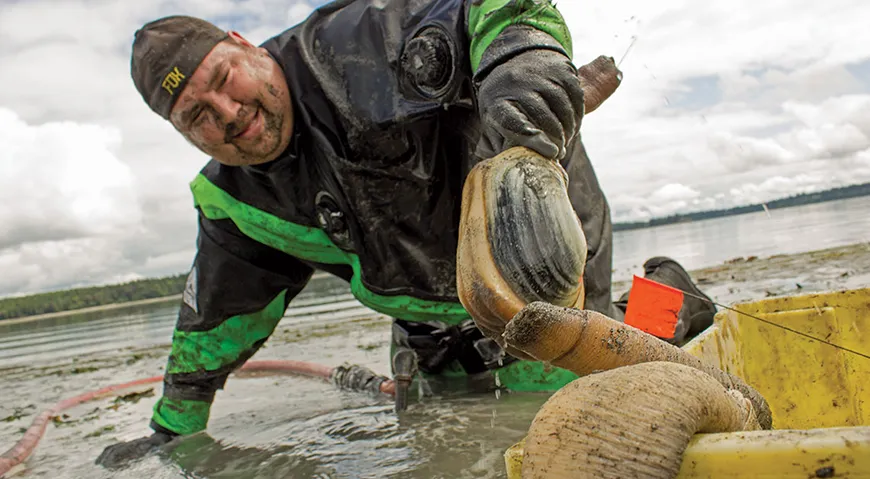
x=822 y=146
x=724 y=96
x=69 y=203
x=99 y=183
x=722 y=103
x=298 y=12
x=674 y=192
x=62 y=178
x=739 y=153
x=777 y=187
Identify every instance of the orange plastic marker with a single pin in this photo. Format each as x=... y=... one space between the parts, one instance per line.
x=653 y=307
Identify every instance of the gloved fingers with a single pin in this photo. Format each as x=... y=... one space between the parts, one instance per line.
x=508 y=125
x=118 y=455
x=557 y=103
x=541 y=115
x=544 y=146
x=533 y=100
x=565 y=100
x=534 y=139
x=560 y=123
x=563 y=95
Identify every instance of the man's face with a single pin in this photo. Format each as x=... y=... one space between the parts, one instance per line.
x=236 y=106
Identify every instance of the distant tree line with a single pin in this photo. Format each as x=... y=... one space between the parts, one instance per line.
x=842 y=193
x=79 y=298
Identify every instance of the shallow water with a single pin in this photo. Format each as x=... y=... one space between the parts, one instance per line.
x=285 y=426
x=781 y=231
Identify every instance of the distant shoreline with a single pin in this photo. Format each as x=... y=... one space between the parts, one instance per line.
x=91 y=309
x=62 y=303
x=803 y=199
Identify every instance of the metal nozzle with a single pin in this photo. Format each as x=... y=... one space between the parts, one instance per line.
x=405 y=368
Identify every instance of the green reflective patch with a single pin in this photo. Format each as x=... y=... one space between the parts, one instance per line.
x=534 y=376
x=312 y=244
x=181 y=416
x=487 y=18
x=304 y=242
x=199 y=351
x=526 y=376
x=405 y=307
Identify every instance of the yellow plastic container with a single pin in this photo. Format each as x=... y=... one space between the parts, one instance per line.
x=819 y=395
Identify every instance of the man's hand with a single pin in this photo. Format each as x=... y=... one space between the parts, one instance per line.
x=534 y=100
x=118 y=455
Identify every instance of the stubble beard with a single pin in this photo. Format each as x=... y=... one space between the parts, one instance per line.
x=273 y=123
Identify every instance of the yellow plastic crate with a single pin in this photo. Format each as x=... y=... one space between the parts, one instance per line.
x=819 y=395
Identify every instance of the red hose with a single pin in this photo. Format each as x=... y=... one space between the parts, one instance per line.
x=27 y=444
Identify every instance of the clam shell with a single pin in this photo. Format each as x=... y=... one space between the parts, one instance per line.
x=520 y=240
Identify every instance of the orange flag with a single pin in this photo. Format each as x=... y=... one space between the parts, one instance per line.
x=653 y=307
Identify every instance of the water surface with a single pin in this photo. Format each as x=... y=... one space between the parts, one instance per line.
x=285 y=426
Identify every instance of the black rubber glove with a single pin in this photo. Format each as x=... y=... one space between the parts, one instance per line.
x=534 y=100
x=119 y=455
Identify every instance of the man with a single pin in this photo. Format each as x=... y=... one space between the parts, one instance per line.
x=341 y=145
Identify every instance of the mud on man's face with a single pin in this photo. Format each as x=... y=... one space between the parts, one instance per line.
x=236 y=106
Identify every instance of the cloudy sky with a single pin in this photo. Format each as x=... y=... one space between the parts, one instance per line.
x=723 y=103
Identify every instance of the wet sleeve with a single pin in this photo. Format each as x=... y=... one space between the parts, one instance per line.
x=236 y=293
x=500 y=29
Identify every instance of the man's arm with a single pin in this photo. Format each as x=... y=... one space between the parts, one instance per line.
x=237 y=292
x=528 y=91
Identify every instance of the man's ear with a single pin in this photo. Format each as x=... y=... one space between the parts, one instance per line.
x=237 y=37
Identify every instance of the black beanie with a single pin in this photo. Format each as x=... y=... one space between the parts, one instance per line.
x=166 y=52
